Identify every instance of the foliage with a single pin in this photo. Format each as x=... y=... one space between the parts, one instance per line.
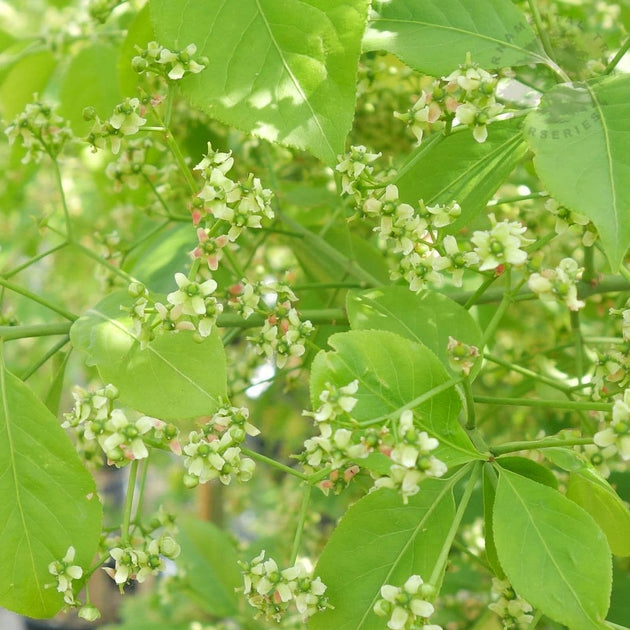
x=339 y=290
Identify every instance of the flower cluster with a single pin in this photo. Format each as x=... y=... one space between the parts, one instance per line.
x=173 y=65
x=413 y=234
x=500 y=245
x=121 y=439
x=356 y=171
x=41 y=130
x=126 y=120
x=214 y=451
x=514 y=611
x=406 y=607
x=137 y=562
x=242 y=205
x=131 y=168
x=411 y=457
x=572 y=222
x=65 y=572
x=624 y=315
x=272 y=590
x=462 y=357
x=283 y=333
x=617 y=433
x=468 y=95
x=559 y=284
x=191 y=307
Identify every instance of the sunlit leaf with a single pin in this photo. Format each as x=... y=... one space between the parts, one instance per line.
x=579 y=138
x=434 y=36
x=429 y=318
x=552 y=551
x=284 y=70
x=393 y=371
x=381 y=541
x=173 y=378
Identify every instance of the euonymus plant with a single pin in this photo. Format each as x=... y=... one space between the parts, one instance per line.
x=340 y=289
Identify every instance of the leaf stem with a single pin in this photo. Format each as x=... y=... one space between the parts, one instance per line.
x=498 y=202
x=37 y=298
x=551 y=404
x=319 y=244
x=41 y=360
x=440 y=563
x=506 y=300
x=64 y=203
x=532 y=445
x=617 y=58
x=483 y=287
x=9 y=333
x=471 y=420
x=527 y=372
x=33 y=260
x=131 y=486
x=297 y=541
x=578 y=345
x=274 y=464
x=542 y=33
x=177 y=154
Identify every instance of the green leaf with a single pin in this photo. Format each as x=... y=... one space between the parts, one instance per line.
x=433 y=36
x=552 y=551
x=48 y=501
x=284 y=70
x=91 y=80
x=174 y=378
x=579 y=138
x=530 y=469
x=393 y=371
x=53 y=396
x=489 y=493
x=29 y=75
x=460 y=168
x=429 y=318
x=593 y=493
x=210 y=563
x=381 y=541
x=564 y=458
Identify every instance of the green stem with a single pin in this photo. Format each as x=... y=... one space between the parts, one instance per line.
x=32 y=261
x=332 y=316
x=274 y=464
x=516 y=198
x=426 y=147
x=143 y=485
x=506 y=300
x=319 y=244
x=589 y=265
x=52 y=352
x=526 y=372
x=131 y=486
x=297 y=541
x=101 y=261
x=442 y=559
x=37 y=298
x=471 y=421
x=145 y=237
x=578 y=345
x=550 y=404
x=542 y=33
x=532 y=445
x=483 y=287
x=463 y=549
x=177 y=154
x=64 y=203
x=159 y=197
x=34 y=330
x=617 y=58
